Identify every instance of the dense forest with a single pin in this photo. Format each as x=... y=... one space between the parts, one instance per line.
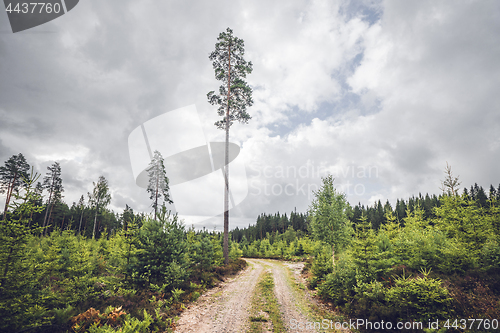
x=429 y=259
x=86 y=269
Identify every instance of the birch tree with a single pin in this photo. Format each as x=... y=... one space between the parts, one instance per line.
x=99 y=198
x=11 y=177
x=81 y=206
x=327 y=213
x=53 y=183
x=158 y=182
x=233 y=99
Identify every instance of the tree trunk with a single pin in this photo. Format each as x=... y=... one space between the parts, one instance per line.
x=48 y=220
x=81 y=218
x=333 y=255
x=48 y=204
x=10 y=188
x=95 y=218
x=156 y=197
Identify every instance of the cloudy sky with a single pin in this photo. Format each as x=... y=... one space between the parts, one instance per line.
x=381 y=94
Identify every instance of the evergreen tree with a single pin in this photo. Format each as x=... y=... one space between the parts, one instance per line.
x=357 y=212
x=161 y=256
x=11 y=177
x=481 y=197
x=16 y=276
x=234 y=97
x=158 y=182
x=493 y=193
x=450 y=184
x=127 y=216
x=364 y=250
x=400 y=209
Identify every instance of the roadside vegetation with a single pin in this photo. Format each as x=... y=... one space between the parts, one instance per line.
x=85 y=268
x=135 y=279
x=440 y=260
x=265 y=313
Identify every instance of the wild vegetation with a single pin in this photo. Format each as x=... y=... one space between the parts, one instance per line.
x=85 y=268
x=440 y=260
x=128 y=271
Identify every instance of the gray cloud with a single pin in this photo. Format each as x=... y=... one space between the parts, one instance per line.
x=403 y=87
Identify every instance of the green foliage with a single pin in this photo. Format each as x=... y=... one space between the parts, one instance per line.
x=461 y=218
x=99 y=199
x=161 y=252
x=130 y=325
x=231 y=68
x=461 y=240
x=328 y=218
x=490 y=255
x=218 y=257
x=235 y=251
x=201 y=250
x=17 y=276
x=321 y=266
x=421 y=298
x=365 y=251
x=339 y=285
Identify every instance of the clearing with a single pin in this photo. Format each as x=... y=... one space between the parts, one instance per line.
x=229 y=307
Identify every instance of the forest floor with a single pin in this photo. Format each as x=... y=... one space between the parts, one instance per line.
x=240 y=304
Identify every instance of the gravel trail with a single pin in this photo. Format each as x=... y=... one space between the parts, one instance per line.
x=224 y=308
x=292 y=315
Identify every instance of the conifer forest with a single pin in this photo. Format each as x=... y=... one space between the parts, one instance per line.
x=85 y=268
x=250 y=166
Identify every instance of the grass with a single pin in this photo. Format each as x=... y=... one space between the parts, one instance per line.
x=313 y=311
x=265 y=309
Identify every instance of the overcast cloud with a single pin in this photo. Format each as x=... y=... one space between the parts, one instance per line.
x=381 y=94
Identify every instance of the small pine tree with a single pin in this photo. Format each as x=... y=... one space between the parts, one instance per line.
x=364 y=250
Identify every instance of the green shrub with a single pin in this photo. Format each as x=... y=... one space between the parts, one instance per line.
x=322 y=265
x=420 y=298
x=339 y=285
x=161 y=257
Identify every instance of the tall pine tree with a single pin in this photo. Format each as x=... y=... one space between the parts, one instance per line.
x=234 y=97
x=11 y=177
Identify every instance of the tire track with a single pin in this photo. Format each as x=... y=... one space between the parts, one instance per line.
x=224 y=308
x=291 y=313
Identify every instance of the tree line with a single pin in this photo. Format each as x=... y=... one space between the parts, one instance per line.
x=89 y=216
x=62 y=269
x=430 y=258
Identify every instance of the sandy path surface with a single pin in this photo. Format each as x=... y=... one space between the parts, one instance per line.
x=224 y=308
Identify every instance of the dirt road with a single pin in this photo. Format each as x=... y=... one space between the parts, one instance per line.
x=226 y=308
